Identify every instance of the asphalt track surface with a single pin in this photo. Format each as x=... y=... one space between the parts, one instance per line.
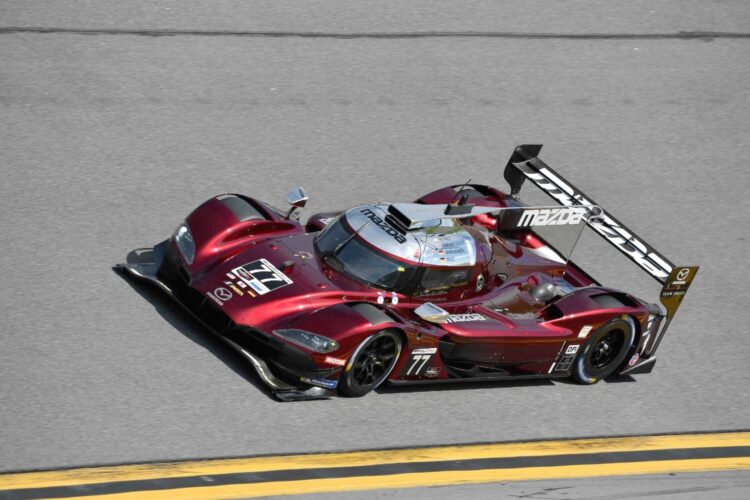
x=724 y=485
x=457 y=465
x=110 y=139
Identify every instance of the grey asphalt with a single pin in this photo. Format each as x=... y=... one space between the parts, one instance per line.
x=108 y=141
x=732 y=485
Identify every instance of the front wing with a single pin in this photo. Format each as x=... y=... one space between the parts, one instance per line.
x=144 y=264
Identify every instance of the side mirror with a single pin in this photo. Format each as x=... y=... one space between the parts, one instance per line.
x=297 y=198
x=432 y=313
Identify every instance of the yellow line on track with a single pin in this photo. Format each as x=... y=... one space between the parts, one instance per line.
x=140 y=472
x=446 y=478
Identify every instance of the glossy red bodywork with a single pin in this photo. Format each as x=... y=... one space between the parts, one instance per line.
x=318 y=300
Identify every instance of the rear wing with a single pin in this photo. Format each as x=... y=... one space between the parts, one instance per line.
x=524 y=164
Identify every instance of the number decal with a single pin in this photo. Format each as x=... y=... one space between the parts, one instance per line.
x=415 y=360
x=419 y=361
x=264 y=270
x=262 y=276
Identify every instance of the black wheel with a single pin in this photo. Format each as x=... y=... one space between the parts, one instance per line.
x=605 y=351
x=370 y=364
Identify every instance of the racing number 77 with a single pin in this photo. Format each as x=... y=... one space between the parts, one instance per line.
x=264 y=270
x=418 y=359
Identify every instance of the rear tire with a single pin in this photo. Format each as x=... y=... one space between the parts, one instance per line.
x=605 y=351
x=370 y=364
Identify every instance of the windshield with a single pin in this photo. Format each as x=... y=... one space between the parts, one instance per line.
x=349 y=256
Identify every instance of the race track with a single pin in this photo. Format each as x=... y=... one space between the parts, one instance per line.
x=110 y=139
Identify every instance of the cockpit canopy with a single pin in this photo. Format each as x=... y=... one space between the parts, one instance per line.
x=366 y=244
x=434 y=242
x=424 y=249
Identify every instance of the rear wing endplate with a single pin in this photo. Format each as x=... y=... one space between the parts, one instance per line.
x=525 y=164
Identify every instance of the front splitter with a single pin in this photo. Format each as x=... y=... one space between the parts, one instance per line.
x=146 y=262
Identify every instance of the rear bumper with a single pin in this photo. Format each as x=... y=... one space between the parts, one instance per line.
x=157 y=266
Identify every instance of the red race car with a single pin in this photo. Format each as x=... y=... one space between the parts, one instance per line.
x=465 y=284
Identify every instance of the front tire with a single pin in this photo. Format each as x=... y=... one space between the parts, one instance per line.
x=370 y=364
x=605 y=351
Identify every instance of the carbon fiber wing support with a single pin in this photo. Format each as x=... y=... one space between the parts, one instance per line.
x=525 y=164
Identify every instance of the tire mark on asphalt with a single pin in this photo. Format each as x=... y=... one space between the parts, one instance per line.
x=680 y=35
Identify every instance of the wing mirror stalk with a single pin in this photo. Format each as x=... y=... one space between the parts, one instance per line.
x=297 y=198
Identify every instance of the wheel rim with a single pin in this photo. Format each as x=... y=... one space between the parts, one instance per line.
x=374 y=362
x=606 y=349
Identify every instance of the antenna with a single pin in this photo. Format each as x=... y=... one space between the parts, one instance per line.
x=460 y=207
x=458 y=191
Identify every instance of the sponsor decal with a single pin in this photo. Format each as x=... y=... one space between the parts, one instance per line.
x=463 y=318
x=451 y=250
x=330 y=360
x=234 y=288
x=223 y=294
x=551 y=217
x=238 y=286
x=584 y=331
x=572 y=349
x=606 y=226
x=480 y=283
x=432 y=372
x=261 y=276
x=390 y=231
x=424 y=350
x=419 y=361
x=214 y=298
x=327 y=220
x=678 y=283
x=634 y=359
x=563 y=365
x=326 y=384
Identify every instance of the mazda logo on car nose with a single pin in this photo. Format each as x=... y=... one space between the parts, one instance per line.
x=223 y=294
x=683 y=274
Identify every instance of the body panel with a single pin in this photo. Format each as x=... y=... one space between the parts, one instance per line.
x=515 y=305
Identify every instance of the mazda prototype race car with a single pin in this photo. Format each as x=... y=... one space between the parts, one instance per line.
x=467 y=283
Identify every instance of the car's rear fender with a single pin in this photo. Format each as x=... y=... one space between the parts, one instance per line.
x=584 y=310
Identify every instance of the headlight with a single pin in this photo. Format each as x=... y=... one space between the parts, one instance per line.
x=184 y=239
x=312 y=341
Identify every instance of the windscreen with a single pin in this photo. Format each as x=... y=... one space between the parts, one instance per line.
x=338 y=246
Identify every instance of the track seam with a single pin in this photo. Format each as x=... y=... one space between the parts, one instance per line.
x=680 y=35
